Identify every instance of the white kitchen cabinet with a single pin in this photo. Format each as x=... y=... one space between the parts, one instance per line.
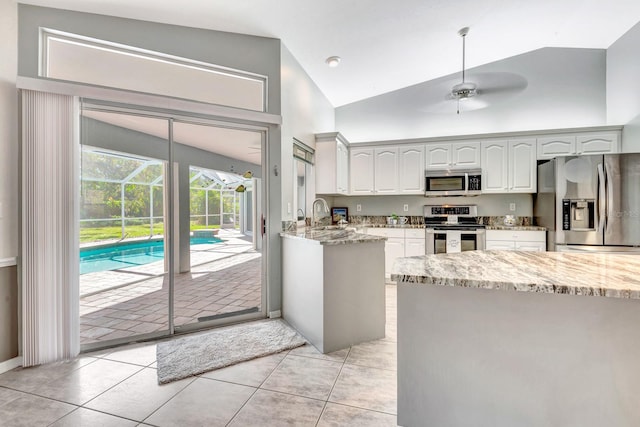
x=522 y=166
x=414 y=242
x=385 y=170
x=516 y=240
x=495 y=166
x=601 y=143
x=401 y=242
x=452 y=155
x=578 y=144
x=332 y=164
x=509 y=166
x=411 y=169
x=361 y=171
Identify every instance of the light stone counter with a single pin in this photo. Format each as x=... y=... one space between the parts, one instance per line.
x=535 y=354
x=609 y=275
x=332 y=237
x=516 y=227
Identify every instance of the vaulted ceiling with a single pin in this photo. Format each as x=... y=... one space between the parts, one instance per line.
x=386 y=45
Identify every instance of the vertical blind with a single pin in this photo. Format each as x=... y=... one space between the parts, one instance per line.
x=49 y=264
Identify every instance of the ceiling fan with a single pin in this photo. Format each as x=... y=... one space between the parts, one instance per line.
x=486 y=88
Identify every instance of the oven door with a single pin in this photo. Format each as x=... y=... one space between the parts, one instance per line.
x=441 y=240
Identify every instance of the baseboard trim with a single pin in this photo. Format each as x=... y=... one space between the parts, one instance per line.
x=10 y=364
x=275 y=314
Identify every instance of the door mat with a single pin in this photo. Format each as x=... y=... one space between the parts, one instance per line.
x=203 y=352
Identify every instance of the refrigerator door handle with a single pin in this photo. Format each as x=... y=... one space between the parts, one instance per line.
x=609 y=199
x=601 y=198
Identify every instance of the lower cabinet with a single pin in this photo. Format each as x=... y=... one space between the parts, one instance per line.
x=516 y=240
x=401 y=242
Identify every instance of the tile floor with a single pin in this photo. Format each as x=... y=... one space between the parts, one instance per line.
x=134 y=301
x=301 y=387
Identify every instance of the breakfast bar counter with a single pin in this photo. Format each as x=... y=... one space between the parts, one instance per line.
x=504 y=338
x=333 y=289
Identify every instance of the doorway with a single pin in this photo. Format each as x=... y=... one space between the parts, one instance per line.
x=161 y=255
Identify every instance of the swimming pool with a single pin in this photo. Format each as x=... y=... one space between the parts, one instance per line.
x=128 y=254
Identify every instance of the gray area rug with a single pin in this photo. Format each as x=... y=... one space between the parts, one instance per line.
x=193 y=355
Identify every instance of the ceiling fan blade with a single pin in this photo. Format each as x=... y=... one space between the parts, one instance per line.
x=500 y=83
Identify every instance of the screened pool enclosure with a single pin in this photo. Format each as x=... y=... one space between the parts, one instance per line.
x=122 y=196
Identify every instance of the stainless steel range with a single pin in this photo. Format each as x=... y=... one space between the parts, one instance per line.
x=453 y=228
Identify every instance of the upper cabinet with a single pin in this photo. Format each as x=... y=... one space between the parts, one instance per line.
x=332 y=164
x=411 y=169
x=509 y=166
x=452 y=155
x=578 y=144
x=385 y=170
x=361 y=171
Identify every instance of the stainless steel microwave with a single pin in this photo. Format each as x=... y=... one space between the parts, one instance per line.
x=461 y=182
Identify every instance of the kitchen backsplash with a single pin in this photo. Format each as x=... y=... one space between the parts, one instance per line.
x=418 y=221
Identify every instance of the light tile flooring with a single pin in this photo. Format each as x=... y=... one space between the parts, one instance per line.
x=301 y=387
x=134 y=301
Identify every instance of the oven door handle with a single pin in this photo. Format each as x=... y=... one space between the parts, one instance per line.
x=444 y=230
x=466 y=182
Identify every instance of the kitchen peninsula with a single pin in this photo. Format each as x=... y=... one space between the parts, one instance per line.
x=502 y=338
x=333 y=289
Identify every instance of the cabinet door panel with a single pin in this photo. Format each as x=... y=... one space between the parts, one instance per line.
x=342 y=172
x=386 y=170
x=554 y=146
x=394 y=249
x=531 y=246
x=438 y=156
x=522 y=166
x=411 y=170
x=414 y=247
x=597 y=144
x=495 y=166
x=499 y=246
x=465 y=154
x=361 y=172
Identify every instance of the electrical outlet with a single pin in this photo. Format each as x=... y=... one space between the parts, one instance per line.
x=512 y=207
x=358 y=207
x=288 y=207
x=406 y=208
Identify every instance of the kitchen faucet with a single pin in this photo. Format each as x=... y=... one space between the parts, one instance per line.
x=325 y=207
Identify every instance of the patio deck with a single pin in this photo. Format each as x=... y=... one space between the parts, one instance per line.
x=225 y=277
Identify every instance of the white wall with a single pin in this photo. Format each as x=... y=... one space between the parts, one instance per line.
x=8 y=129
x=566 y=88
x=623 y=87
x=305 y=112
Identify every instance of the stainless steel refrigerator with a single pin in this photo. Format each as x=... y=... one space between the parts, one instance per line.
x=597 y=202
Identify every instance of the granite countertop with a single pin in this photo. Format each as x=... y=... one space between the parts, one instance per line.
x=332 y=237
x=516 y=227
x=600 y=274
x=392 y=226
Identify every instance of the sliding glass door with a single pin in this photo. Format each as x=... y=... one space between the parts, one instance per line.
x=222 y=279
x=161 y=254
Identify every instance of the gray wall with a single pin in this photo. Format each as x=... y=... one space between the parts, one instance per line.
x=8 y=130
x=249 y=53
x=9 y=200
x=623 y=87
x=305 y=112
x=566 y=88
x=488 y=204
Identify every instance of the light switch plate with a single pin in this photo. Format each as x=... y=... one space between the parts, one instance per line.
x=358 y=207
x=512 y=207
x=406 y=208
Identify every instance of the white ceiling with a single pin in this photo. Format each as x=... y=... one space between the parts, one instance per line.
x=386 y=45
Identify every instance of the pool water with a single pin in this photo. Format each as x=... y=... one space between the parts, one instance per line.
x=129 y=254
